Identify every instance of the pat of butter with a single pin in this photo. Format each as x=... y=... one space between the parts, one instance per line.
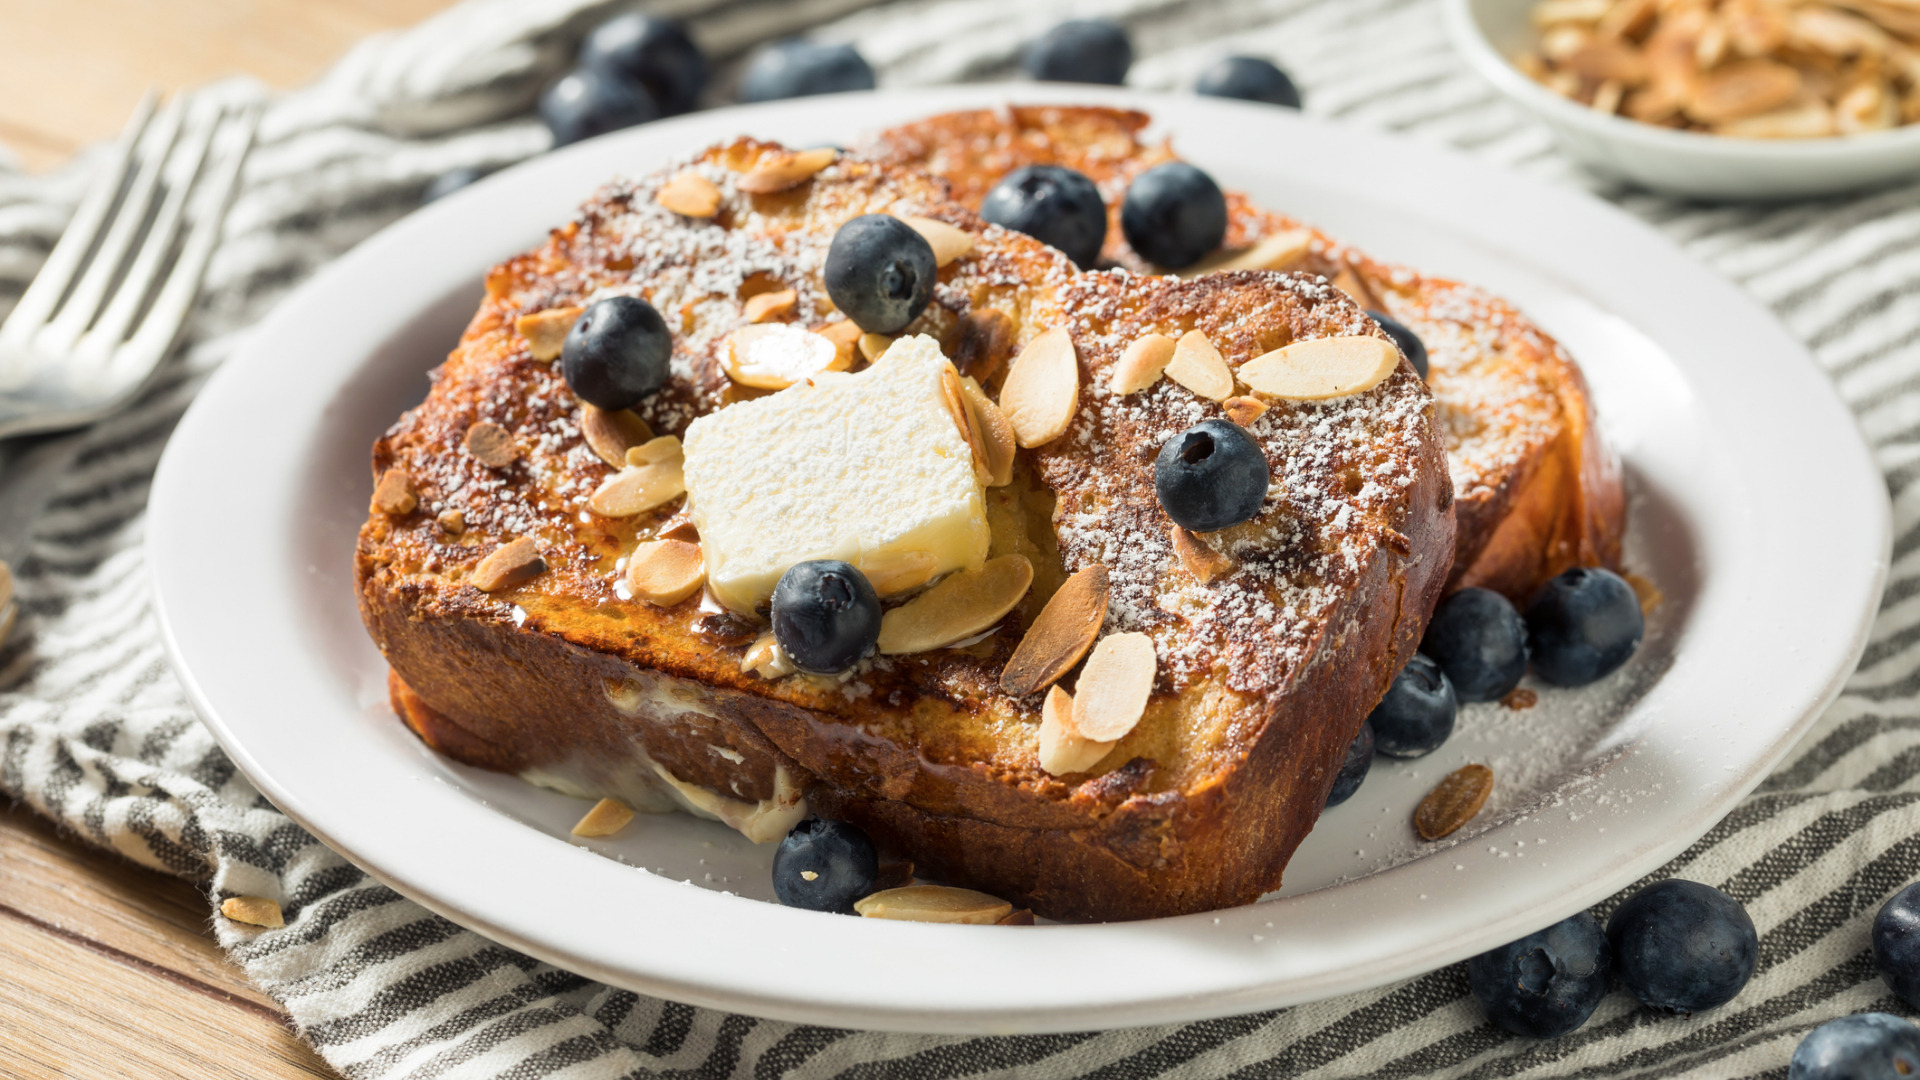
x=866 y=467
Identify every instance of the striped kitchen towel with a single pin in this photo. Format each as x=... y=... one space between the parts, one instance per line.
x=99 y=736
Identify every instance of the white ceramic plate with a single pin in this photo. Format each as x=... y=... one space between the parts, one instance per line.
x=1755 y=507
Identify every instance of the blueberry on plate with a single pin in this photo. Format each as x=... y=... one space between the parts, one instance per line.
x=587 y=102
x=795 y=68
x=1210 y=476
x=824 y=866
x=1582 y=625
x=1896 y=944
x=1053 y=204
x=879 y=272
x=451 y=181
x=1479 y=641
x=1081 y=51
x=1547 y=983
x=652 y=53
x=1354 y=769
x=616 y=353
x=1248 y=78
x=1682 y=947
x=1409 y=342
x=1864 y=1046
x=1174 y=214
x=1417 y=714
x=826 y=616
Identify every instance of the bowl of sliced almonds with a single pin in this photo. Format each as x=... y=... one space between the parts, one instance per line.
x=1714 y=99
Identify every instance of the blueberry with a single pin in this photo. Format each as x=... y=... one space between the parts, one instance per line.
x=1479 y=641
x=1682 y=947
x=1054 y=205
x=841 y=859
x=451 y=181
x=1248 y=78
x=1896 y=944
x=1864 y=1046
x=1582 y=625
x=1081 y=51
x=795 y=68
x=1354 y=769
x=586 y=102
x=1174 y=214
x=1417 y=714
x=1210 y=476
x=826 y=616
x=880 y=272
x=616 y=353
x=1548 y=982
x=1409 y=342
x=653 y=53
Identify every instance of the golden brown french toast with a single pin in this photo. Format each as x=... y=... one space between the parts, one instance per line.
x=1264 y=672
x=1537 y=489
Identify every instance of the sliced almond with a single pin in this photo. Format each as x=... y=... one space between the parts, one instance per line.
x=607 y=817
x=897 y=572
x=1322 y=368
x=492 y=445
x=1645 y=591
x=949 y=242
x=875 y=346
x=982 y=343
x=610 y=434
x=451 y=522
x=1243 y=410
x=1743 y=89
x=1454 y=802
x=1114 y=687
x=1349 y=281
x=1060 y=635
x=258 y=911
x=1042 y=390
x=774 y=356
x=934 y=903
x=780 y=172
x=1807 y=120
x=665 y=572
x=690 y=195
x=966 y=603
x=678 y=527
x=637 y=489
x=1021 y=917
x=996 y=433
x=394 y=493
x=765 y=659
x=546 y=331
x=1281 y=251
x=954 y=396
x=6 y=583
x=1199 y=367
x=1062 y=750
x=508 y=565
x=1199 y=557
x=845 y=336
x=766 y=306
x=1141 y=364
x=656 y=451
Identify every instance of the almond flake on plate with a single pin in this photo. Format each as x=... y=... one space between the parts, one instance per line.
x=254 y=911
x=964 y=603
x=607 y=817
x=934 y=903
x=1453 y=802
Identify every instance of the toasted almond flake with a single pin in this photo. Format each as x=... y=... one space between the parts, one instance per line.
x=394 y=493
x=1141 y=364
x=451 y=522
x=508 y=565
x=1022 y=917
x=897 y=572
x=875 y=346
x=954 y=396
x=965 y=603
x=1646 y=591
x=1548 y=12
x=1060 y=635
x=1349 y=281
x=1281 y=251
x=949 y=242
x=982 y=343
x=762 y=307
x=934 y=903
x=1114 y=686
x=1042 y=390
x=1199 y=557
x=765 y=658
x=775 y=355
x=1453 y=802
x=656 y=451
x=491 y=444
x=1743 y=89
x=1061 y=750
x=1808 y=120
x=845 y=336
x=1243 y=410
x=1199 y=367
x=1520 y=698
x=546 y=331
x=607 y=817
x=665 y=572
x=810 y=875
x=996 y=433
x=610 y=434
x=1322 y=368
x=690 y=195
x=6 y=583
x=638 y=488
x=780 y=172
x=253 y=910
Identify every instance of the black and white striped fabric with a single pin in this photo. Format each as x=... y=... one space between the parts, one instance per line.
x=99 y=737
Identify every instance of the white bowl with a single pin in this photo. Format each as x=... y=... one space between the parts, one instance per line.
x=1488 y=32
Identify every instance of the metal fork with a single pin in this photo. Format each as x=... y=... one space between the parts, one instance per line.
x=73 y=351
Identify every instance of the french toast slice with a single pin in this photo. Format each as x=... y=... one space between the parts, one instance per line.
x=1264 y=674
x=1537 y=488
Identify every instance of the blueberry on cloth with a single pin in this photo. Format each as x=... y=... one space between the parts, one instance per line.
x=1080 y=51
x=1354 y=769
x=451 y=181
x=1548 y=982
x=1682 y=947
x=586 y=102
x=1582 y=625
x=1210 y=476
x=1053 y=204
x=1896 y=944
x=1174 y=214
x=826 y=616
x=650 y=52
x=1409 y=342
x=879 y=272
x=616 y=353
x=1479 y=641
x=824 y=866
x=1248 y=78
x=1417 y=714
x=795 y=68
x=1864 y=1046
